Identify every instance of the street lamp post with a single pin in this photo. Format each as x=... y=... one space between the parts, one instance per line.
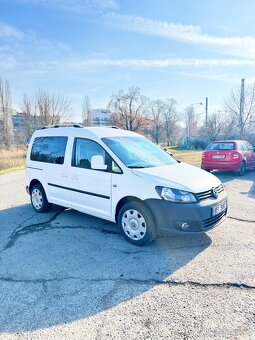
x=206 y=110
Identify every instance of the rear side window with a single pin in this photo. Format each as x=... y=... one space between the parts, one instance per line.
x=49 y=149
x=250 y=148
x=244 y=147
x=221 y=146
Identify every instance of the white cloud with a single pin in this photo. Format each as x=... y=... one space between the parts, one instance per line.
x=205 y=74
x=79 y=6
x=93 y=64
x=243 y=46
x=24 y=40
x=10 y=32
x=160 y=63
x=105 y=3
x=7 y=62
x=44 y=64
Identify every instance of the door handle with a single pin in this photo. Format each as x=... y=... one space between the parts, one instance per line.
x=64 y=175
x=75 y=177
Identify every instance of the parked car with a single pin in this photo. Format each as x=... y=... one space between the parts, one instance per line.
x=122 y=177
x=237 y=155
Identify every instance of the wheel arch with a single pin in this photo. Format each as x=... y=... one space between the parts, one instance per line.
x=32 y=183
x=239 y=172
x=129 y=199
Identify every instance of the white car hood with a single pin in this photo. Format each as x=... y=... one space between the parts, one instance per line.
x=180 y=176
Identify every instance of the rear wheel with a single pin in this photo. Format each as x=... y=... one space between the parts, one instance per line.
x=242 y=169
x=38 y=199
x=137 y=223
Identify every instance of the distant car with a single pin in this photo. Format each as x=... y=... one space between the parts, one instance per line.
x=236 y=155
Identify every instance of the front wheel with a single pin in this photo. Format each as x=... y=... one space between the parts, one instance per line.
x=137 y=223
x=39 y=200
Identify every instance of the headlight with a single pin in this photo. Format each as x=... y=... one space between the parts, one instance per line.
x=175 y=195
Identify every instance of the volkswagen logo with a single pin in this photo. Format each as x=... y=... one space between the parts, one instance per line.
x=214 y=193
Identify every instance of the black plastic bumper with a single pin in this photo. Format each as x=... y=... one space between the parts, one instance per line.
x=176 y=218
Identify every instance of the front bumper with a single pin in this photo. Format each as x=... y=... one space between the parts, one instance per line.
x=196 y=217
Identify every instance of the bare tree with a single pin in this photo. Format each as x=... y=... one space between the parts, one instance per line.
x=215 y=125
x=157 y=110
x=129 y=109
x=245 y=119
x=87 y=117
x=170 y=119
x=44 y=108
x=5 y=113
x=32 y=120
x=229 y=127
x=52 y=108
x=190 y=121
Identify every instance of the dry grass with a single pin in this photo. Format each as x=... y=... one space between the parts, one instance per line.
x=188 y=156
x=13 y=159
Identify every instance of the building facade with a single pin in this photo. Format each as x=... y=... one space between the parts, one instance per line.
x=101 y=117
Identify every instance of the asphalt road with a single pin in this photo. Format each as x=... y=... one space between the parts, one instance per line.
x=66 y=275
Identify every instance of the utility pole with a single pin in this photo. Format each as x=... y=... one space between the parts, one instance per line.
x=241 y=113
x=206 y=110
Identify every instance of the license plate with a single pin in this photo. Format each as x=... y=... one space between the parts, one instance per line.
x=218 y=156
x=217 y=209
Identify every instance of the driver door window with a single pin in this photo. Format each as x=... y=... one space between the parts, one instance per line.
x=85 y=149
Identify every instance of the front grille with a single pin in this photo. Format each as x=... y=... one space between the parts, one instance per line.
x=210 y=222
x=209 y=193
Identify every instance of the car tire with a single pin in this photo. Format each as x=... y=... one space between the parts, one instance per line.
x=242 y=169
x=137 y=223
x=38 y=199
x=208 y=170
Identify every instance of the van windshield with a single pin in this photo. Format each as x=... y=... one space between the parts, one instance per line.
x=138 y=152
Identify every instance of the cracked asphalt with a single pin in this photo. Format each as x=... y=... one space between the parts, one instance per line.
x=66 y=275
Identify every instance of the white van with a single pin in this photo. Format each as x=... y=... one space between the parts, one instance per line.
x=122 y=177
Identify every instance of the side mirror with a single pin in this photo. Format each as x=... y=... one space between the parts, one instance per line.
x=97 y=163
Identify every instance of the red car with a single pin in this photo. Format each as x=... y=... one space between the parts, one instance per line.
x=237 y=155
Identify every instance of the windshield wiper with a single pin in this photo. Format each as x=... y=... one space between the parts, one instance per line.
x=136 y=167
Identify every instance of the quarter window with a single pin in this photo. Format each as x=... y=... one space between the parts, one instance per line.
x=49 y=149
x=244 y=147
x=250 y=148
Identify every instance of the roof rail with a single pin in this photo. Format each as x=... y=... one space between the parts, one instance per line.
x=113 y=127
x=62 y=125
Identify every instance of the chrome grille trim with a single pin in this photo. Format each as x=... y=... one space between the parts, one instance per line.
x=208 y=194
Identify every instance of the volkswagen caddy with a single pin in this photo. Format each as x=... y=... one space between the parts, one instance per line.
x=120 y=176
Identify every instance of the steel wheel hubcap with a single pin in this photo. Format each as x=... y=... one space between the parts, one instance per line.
x=133 y=224
x=37 y=198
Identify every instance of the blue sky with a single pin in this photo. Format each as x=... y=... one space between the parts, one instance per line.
x=169 y=48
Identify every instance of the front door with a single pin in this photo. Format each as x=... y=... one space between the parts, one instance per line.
x=91 y=189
